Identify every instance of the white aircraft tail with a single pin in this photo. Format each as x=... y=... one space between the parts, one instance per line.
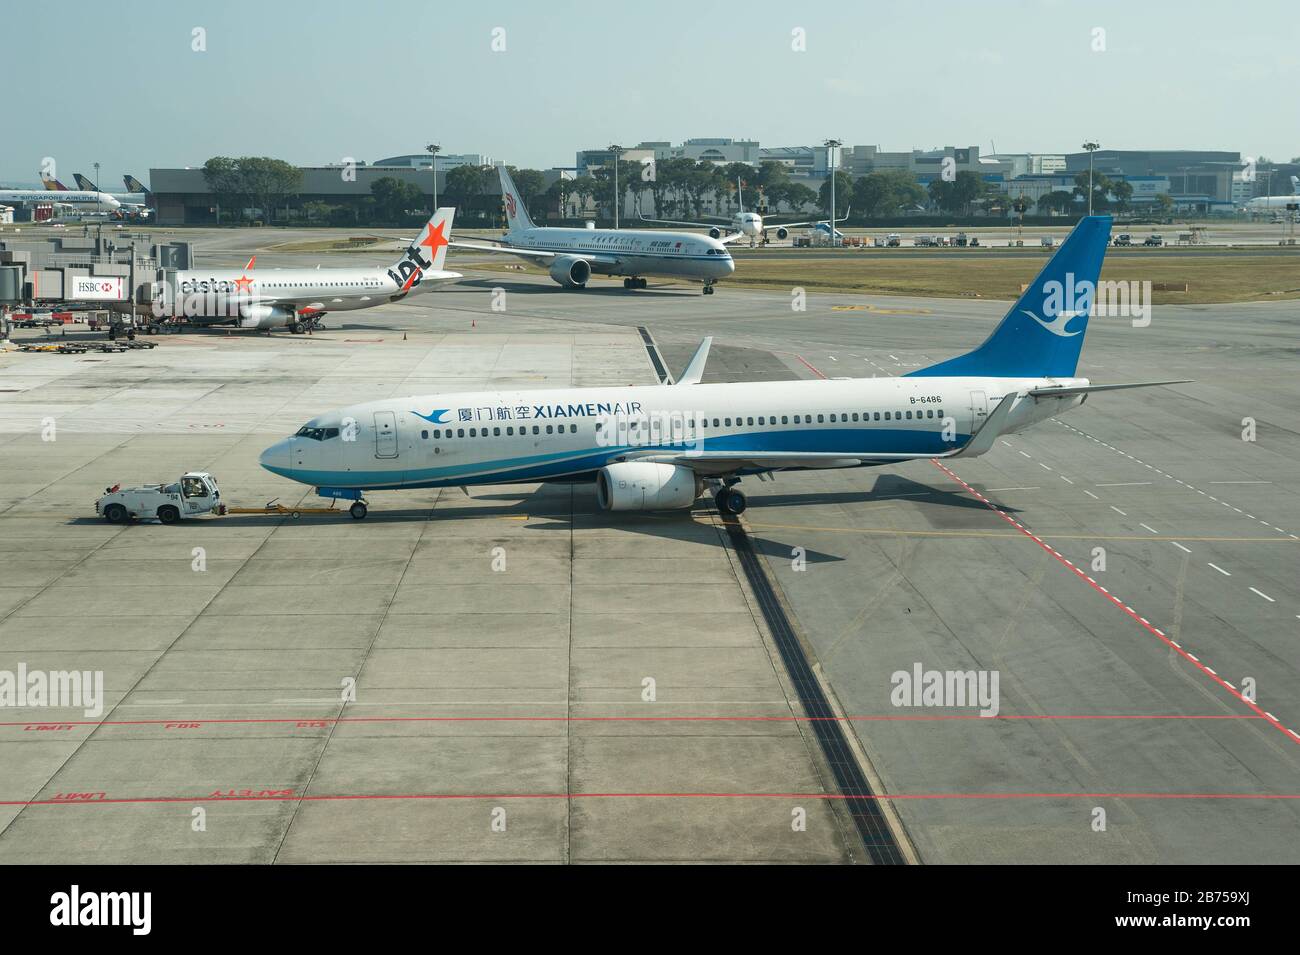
x=517 y=217
x=1295 y=185
x=428 y=253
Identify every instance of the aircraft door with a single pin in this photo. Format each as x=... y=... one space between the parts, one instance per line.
x=979 y=409
x=385 y=434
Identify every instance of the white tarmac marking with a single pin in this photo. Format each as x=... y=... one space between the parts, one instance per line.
x=1221 y=570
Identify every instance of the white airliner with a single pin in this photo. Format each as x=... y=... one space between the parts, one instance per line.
x=296 y=298
x=80 y=200
x=131 y=202
x=659 y=446
x=741 y=224
x=572 y=255
x=1265 y=203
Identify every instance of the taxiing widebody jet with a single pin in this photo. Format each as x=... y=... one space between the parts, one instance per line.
x=573 y=255
x=660 y=446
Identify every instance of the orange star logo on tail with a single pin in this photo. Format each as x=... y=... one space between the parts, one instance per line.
x=435 y=240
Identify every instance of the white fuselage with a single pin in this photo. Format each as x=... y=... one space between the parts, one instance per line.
x=499 y=437
x=79 y=199
x=215 y=296
x=633 y=252
x=1267 y=203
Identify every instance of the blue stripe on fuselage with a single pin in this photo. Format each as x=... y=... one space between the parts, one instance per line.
x=584 y=460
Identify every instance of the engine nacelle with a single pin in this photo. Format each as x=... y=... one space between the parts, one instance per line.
x=715 y=233
x=643 y=486
x=264 y=316
x=570 y=271
x=783 y=233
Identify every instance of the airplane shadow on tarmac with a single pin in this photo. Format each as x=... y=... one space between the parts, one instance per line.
x=561 y=506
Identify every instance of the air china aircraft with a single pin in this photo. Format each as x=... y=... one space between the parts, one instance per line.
x=572 y=255
x=742 y=223
x=297 y=298
x=660 y=446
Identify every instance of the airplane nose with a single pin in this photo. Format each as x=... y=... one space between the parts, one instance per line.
x=276 y=458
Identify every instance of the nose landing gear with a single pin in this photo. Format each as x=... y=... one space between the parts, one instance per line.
x=358 y=510
x=708 y=287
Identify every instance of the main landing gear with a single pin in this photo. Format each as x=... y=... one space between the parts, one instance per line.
x=708 y=288
x=730 y=500
x=634 y=282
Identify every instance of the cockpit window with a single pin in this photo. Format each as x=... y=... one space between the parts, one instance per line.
x=317 y=434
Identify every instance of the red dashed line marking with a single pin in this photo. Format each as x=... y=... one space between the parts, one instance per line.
x=1118 y=603
x=810 y=366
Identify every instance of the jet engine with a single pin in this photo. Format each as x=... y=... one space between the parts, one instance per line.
x=715 y=233
x=644 y=486
x=782 y=233
x=570 y=271
x=264 y=316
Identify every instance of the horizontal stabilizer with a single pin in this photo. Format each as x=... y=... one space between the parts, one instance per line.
x=993 y=425
x=1088 y=389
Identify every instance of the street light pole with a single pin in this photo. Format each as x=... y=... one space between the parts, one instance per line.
x=96 y=177
x=432 y=149
x=831 y=145
x=616 y=151
x=1092 y=148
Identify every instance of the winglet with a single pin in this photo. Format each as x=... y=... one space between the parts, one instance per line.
x=695 y=370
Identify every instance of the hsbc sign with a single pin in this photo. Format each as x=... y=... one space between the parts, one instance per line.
x=97 y=288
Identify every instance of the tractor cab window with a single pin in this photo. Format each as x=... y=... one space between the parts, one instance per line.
x=193 y=487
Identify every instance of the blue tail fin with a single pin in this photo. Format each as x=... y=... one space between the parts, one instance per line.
x=1042 y=335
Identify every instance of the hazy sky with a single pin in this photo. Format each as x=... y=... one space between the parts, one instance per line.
x=314 y=82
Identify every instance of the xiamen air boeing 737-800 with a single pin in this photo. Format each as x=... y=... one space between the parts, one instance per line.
x=573 y=255
x=659 y=447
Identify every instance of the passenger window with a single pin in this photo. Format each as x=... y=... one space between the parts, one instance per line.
x=536 y=430
x=496 y=432
x=760 y=419
x=424 y=434
x=929 y=412
x=886 y=415
x=876 y=416
x=728 y=422
x=785 y=419
x=855 y=416
x=798 y=419
x=751 y=422
x=510 y=431
x=550 y=429
x=460 y=432
x=715 y=422
x=821 y=419
x=473 y=433
x=909 y=416
x=573 y=429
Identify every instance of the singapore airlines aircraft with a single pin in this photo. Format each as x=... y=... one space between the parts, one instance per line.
x=80 y=200
x=660 y=446
x=572 y=255
x=296 y=298
x=742 y=223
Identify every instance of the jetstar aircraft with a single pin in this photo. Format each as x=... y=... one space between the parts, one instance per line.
x=296 y=298
x=660 y=446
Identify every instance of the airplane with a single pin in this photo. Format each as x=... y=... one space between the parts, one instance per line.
x=659 y=447
x=742 y=223
x=297 y=298
x=572 y=255
x=80 y=200
x=133 y=203
x=1265 y=203
x=135 y=185
x=53 y=185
